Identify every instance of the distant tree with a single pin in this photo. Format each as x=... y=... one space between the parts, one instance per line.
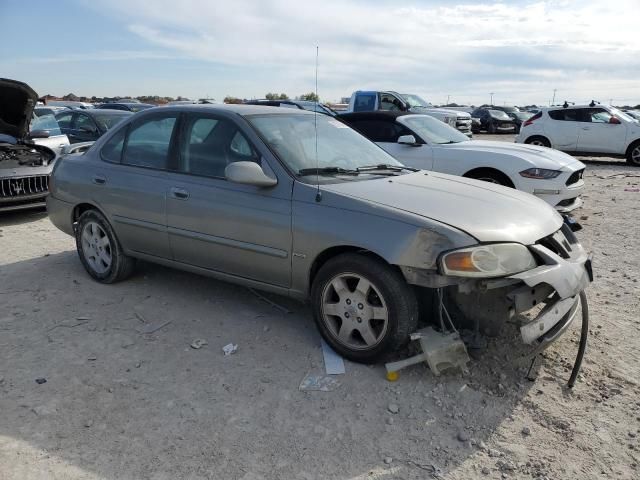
x=70 y=97
x=232 y=100
x=311 y=97
x=283 y=96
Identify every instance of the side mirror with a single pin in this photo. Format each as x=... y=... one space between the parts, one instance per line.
x=248 y=173
x=39 y=134
x=407 y=140
x=614 y=121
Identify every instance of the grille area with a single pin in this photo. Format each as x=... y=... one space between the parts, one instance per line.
x=558 y=243
x=575 y=177
x=14 y=188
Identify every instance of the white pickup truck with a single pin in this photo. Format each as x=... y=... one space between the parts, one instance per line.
x=370 y=100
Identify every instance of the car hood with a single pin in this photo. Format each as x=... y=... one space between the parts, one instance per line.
x=540 y=157
x=17 y=101
x=488 y=212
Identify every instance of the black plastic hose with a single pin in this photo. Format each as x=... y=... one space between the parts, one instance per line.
x=584 y=306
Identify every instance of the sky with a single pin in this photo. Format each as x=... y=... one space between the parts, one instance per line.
x=455 y=50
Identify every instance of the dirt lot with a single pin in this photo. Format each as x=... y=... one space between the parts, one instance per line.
x=119 y=403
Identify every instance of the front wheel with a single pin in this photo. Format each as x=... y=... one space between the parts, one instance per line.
x=539 y=141
x=99 y=249
x=363 y=307
x=633 y=154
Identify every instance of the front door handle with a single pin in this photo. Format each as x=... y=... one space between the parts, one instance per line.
x=179 y=193
x=586 y=128
x=99 y=180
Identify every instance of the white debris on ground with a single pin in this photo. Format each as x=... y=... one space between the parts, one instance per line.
x=185 y=415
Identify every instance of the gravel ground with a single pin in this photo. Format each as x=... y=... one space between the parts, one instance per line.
x=119 y=403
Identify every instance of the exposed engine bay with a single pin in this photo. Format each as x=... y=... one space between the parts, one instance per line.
x=20 y=155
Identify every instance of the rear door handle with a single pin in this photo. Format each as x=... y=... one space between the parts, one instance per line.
x=99 y=180
x=179 y=193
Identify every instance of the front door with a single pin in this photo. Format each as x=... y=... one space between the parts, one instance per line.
x=597 y=134
x=241 y=230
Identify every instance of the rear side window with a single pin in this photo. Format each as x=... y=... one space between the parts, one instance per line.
x=112 y=149
x=365 y=103
x=566 y=115
x=148 y=143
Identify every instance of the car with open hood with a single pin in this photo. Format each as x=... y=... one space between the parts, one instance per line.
x=299 y=204
x=423 y=142
x=25 y=167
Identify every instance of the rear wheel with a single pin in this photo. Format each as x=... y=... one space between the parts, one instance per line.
x=99 y=250
x=540 y=141
x=633 y=154
x=363 y=308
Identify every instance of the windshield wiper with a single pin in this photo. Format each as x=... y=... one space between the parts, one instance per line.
x=326 y=170
x=384 y=166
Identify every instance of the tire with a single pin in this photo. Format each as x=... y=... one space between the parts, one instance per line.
x=491 y=176
x=99 y=249
x=491 y=128
x=376 y=321
x=633 y=154
x=540 y=141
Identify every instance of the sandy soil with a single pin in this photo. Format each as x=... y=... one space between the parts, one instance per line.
x=119 y=403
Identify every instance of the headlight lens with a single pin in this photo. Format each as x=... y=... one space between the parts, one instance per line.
x=540 y=173
x=494 y=260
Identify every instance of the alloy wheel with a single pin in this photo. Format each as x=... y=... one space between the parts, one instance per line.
x=96 y=247
x=635 y=155
x=354 y=311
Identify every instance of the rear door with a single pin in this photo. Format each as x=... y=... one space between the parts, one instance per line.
x=241 y=230
x=596 y=134
x=131 y=184
x=562 y=128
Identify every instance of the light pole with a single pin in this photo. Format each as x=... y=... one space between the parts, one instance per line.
x=554 y=96
x=491 y=98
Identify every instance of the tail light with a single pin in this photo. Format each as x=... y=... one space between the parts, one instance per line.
x=531 y=120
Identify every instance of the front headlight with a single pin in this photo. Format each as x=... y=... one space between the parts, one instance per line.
x=493 y=260
x=540 y=173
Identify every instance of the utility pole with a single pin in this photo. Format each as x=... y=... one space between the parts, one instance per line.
x=554 y=96
x=448 y=99
x=491 y=98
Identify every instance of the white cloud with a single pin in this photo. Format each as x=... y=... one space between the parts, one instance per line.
x=520 y=50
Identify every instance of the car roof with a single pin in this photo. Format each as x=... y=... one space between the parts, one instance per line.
x=106 y=111
x=238 y=108
x=375 y=115
x=569 y=107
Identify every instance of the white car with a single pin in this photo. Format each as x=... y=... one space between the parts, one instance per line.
x=423 y=142
x=588 y=129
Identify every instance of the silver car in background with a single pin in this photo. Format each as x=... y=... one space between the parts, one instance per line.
x=300 y=204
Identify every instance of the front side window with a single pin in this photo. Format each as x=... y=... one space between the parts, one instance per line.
x=112 y=149
x=64 y=119
x=597 y=115
x=294 y=137
x=389 y=102
x=211 y=144
x=148 y=143
x=84 y=123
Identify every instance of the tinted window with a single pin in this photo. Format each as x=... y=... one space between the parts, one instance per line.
x=596 y=115
x=380 y=130
x=112 y=149
x=64 y=119
x=148 y=143
x=84 y=122
x=212 y=144
x=566 y=115
x=364 y=103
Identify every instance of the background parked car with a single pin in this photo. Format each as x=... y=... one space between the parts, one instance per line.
x=494 y=121
x=24 y=165
x=129 y=107
x=45 y=131
x=89 y=125
x=635 y=114
x=46 y=110
x=301 y=104
x=69 y=104
x=423 y=142
x=593 y=128
x=518 y=116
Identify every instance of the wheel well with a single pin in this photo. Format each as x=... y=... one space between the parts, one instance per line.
x=81 y=208
x=631 y=146
x=332 y=252
x=530 y=139
x=478 y=172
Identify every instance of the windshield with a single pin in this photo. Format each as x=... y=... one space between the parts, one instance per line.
x=431 y=130
x=48 y=123
x=107 y=121
x=135 y=107
x=499 y=114
x=523 y=115
x=415 y=100
x=292 y=137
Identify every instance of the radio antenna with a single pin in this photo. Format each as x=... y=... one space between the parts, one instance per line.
x=315 y=126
